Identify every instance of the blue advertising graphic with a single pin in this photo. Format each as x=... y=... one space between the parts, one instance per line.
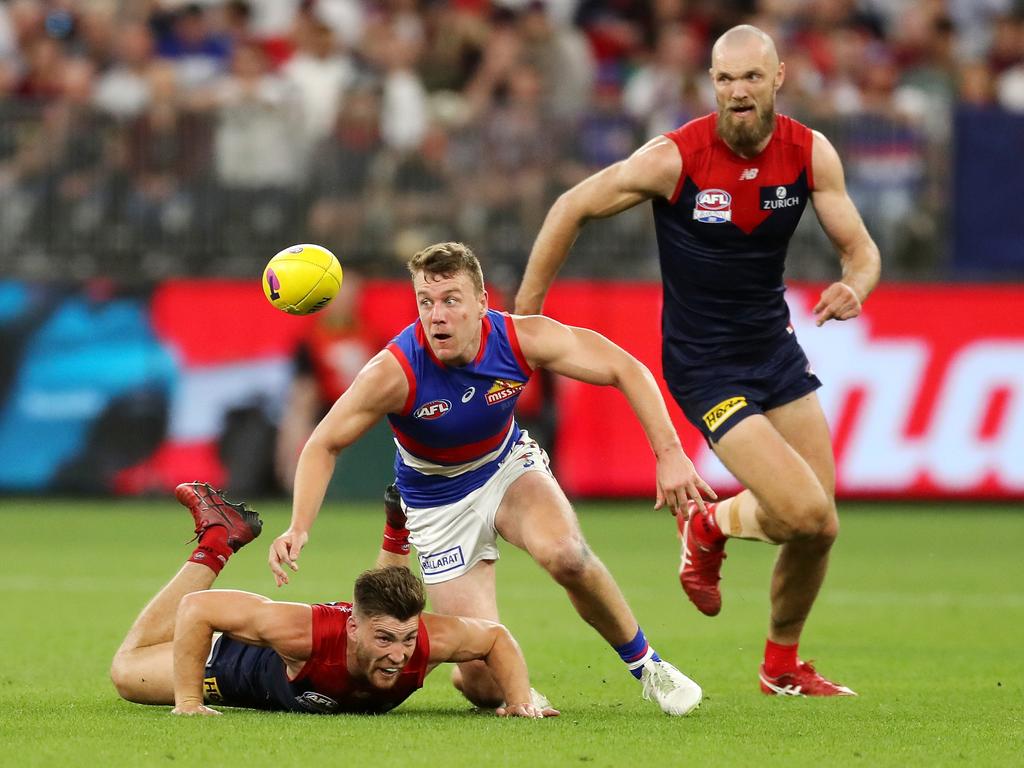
x=76 y=371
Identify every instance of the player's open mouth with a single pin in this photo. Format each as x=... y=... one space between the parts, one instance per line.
x=742 y=110
x=389 y=671
x=442 y=336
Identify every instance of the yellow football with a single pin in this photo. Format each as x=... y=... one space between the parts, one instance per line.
x=302 y=279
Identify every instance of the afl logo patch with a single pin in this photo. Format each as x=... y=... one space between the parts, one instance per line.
x=713 y=206
x=435 y=409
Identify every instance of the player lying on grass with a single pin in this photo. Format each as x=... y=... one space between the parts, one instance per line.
x=365 y=656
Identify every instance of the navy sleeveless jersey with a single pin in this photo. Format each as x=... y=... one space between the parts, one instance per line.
x=722 y=240
x=457 y=424
x=242 y=675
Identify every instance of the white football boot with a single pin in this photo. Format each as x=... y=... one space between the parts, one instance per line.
x=675 y=693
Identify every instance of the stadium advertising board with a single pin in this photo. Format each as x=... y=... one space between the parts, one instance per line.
x=924 y=393
x=132 y=393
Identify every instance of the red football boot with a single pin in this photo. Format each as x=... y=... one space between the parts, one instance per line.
x=700 y=563
x=209 y=508
x=804 y=681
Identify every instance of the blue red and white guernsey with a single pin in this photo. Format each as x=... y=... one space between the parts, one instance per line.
x=722 y=239
x=457 y=423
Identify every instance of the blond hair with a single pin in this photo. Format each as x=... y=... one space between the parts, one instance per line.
x=448 y=260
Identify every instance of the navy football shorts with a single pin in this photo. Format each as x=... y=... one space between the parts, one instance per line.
x=717 y=397
x=242 y=675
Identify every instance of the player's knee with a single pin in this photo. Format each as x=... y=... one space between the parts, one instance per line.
x=830 y=530
x=813 y=516
x=566 y=560
x=475 y=682
x=122 y=678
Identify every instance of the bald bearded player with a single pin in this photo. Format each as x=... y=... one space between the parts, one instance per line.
x=727 y=192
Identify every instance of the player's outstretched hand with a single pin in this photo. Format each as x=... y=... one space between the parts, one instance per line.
x=837 y=302
x=526 y=710
x=194 y=709
x=285 y=549
x=678 y=481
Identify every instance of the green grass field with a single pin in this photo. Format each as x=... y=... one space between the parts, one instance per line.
x=923 y=614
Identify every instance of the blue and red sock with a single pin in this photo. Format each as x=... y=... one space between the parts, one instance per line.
x=636 y=653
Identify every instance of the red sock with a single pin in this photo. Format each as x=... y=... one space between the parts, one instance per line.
x=396 y=540
x=705 y=527
x=213 y=550
x=779 y=659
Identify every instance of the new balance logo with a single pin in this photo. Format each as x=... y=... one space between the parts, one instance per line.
x=748 y=174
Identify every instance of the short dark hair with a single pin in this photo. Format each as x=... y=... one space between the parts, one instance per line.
x=447 y=260
x=390 y=591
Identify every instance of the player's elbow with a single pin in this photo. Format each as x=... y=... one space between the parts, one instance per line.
x=321 y=444
x=501 y=637
x=570 y=207
x=630 y=375
x=503 y=647
x=191 y=611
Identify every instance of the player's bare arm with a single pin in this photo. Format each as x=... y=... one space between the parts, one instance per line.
x=244 y=616
x=379 y=388
x=456 y=639
x=589 y=357
x=861 y=262
x=652 y=171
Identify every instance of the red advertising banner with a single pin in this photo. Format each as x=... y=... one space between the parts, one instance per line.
x=924 y=392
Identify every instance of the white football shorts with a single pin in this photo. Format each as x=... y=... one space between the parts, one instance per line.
x=453 y=538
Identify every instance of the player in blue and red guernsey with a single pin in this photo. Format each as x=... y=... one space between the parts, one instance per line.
x=728 y=190
x=467 y=473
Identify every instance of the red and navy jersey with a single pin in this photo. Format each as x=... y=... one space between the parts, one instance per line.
x=457 y=424
x=243 y=675
x=722 y=240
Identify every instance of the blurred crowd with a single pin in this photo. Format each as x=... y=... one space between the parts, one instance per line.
x=142 y=138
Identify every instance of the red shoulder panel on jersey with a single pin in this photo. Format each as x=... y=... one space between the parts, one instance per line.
x=699 y=132
x=791 y=131
x=410 y=377
x=513 y=340
x=485 y=332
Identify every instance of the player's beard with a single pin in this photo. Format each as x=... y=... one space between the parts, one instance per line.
x=741 y=136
